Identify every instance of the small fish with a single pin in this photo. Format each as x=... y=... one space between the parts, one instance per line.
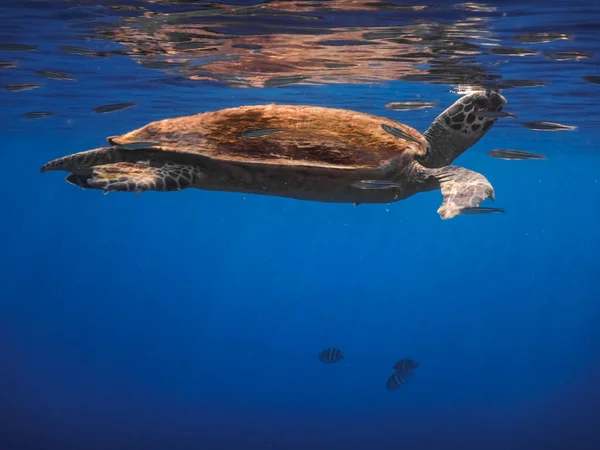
x=405 y=365
x=472 y=6
x=563 y=56
x=247 y=46
x=407 y=40
x=8 y=64
x=515 y=83
x=384 y=34
x=344 y=42
x=547 y=126
x=120 y=52
x=284 y=80
x=396 y=381
x=375 y=184
x=138 y=145
x=20 y=86
x=512 y=51
x=72 y=50
x=331 y=355
x=540 y=38
x=514 y=154
x=400 y=134
x=112 y=107
x=589 y=78
x=54 y=75
x=481 y=210
x=409 y=106
x=259 y=133
x=37 y=114
x=335 y=65
x=157 y=64
x=493 y=114
x=196 y=45
x=17 y=48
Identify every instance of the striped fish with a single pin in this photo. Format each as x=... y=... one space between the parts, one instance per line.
x=397 y=380
x=405 y=365
x=331 y=355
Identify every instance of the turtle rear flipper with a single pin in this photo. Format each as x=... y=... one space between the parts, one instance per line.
x=461 y=188
x=137 y=177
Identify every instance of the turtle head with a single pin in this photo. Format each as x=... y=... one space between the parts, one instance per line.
x=461 y=125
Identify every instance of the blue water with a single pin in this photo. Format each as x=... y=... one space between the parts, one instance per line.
x=193 y=319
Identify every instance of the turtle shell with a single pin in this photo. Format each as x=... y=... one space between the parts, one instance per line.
x=282 y=135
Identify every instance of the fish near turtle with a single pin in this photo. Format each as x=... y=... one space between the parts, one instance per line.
x=296 y=151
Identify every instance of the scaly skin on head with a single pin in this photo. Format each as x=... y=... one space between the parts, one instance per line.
x=458 y=127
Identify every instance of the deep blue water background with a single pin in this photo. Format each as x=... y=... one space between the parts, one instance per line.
x=193 y=319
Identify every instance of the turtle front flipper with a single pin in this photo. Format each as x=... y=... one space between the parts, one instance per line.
x=461 y=188
x=137 y=177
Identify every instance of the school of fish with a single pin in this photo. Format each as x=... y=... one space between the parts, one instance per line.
x=403 y=368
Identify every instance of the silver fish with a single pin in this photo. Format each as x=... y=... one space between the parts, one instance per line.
x=54 y=75
x=512 y=51
x=344 y=42
x=8 y=64
x=17 y=48
x=112 y=107
x=375 y=184
x=37 y=114
x=493 y=114
x=592 y=79
x=284 y=80
x=563 y=56
x=515 y=83
x=72 y=50
x=540 y=38
x=481 y=210
x=20 y=86
x=139 y=145
x=331 y=355
x=514 y=154
x=247 y=46
x=409 y=106
x=547 y=126
x=193 y=45
x=335 y=65
x=259 y=133
x=385 y=34
x=400 y=134
x=159 y=64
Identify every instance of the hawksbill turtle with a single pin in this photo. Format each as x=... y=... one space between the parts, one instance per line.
x=296 y=151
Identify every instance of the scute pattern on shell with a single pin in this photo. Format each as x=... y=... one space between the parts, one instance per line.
x=310 y=136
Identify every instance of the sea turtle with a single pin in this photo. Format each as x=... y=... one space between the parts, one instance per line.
x=303 y=152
